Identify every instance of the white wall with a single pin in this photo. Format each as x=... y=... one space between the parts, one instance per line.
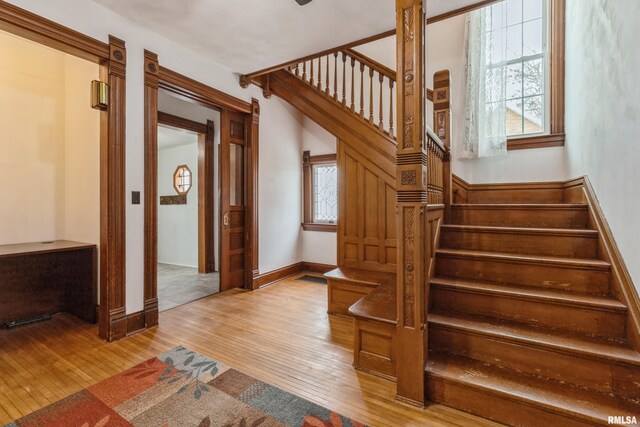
x=82 y=153
x=168 y=103
x=445 y=51
x=280 y=134
x=318 y=246
x=603 y=112
x=49 y=147
x=32 y=119
x=177 y=224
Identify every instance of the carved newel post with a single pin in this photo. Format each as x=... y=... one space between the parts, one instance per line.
x=411 y=182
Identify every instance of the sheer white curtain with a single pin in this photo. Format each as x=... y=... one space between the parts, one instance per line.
x=486 y=87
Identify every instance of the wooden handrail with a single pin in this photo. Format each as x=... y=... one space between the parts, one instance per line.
x=248 y=77
x=372 y=63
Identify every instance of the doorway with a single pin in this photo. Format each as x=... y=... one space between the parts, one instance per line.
x=188 y=135
x=236 y=248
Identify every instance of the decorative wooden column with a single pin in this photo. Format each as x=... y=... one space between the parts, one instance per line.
x=411 y=182
x=113 y=318
x=151 y=78
x=252 y=165
x=442 y=127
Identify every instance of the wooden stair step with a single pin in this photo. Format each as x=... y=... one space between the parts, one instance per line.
x=572 y=274
x=346 y=286
x=516 y=399
x=522 y=240
x=573 y=216
x=588 y=314
x=561 y=341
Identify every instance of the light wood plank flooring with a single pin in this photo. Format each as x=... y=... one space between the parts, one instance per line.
x=280 y=334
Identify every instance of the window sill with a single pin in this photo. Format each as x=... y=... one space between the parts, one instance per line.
x=538 y=141
x=329 y=228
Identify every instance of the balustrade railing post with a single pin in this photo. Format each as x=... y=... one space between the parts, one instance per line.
x=411 y=343
x=442 y=128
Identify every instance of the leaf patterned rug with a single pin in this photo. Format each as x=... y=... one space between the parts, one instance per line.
x=184 y=388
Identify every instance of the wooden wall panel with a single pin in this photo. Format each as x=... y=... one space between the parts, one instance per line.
x=367 y=226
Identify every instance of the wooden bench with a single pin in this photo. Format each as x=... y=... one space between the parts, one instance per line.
x=370 y=298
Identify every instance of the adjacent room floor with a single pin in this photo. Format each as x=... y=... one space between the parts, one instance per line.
x=179 y=285
x=280 y=334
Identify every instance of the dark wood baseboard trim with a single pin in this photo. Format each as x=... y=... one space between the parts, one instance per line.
x=135 y=322
x=313 y=267
x=271 y=277
x=622 y=284
x=151 y=312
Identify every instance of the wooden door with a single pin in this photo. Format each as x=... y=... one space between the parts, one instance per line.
x=233 y=147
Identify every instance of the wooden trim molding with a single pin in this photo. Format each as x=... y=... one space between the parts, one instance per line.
x=541 y=141
x=329 y=228
x=274 y=276
x=181 y=123
x=151 y=83
x=622 y=284
x=38 y=29
x=308 y=161
x=251 y=214
x=192 y=90
x=158 y=77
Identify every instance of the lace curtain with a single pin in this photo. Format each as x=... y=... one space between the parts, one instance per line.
x=486 y=85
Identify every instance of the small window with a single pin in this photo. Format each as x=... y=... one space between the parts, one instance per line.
x=182 y=180
x=517 y=39
x=325 y=193
x=320 y=192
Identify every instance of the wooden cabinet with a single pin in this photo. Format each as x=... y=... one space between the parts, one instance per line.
x=47 y=278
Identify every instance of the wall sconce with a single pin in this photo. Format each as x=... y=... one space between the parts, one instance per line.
x=99 y=95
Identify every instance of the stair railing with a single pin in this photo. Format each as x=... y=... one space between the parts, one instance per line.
x=360 y=84
x=442 y=128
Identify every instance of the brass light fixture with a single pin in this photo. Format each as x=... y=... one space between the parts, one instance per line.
x=99 y=95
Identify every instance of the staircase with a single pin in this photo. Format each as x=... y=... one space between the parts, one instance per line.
x=523 y=325
x=526 y=324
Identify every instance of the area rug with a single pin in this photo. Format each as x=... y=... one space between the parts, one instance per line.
x=184 y=388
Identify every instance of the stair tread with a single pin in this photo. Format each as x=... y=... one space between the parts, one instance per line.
x=373 y=278
x=523 y=230
x=598 y=348
x=554 y=260
x=556 y=397
x=532 y=293
x=520 y=205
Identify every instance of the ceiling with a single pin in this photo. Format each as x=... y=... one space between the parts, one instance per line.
x=248 y=35
x=169 y=137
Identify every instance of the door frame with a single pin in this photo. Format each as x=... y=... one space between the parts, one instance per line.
x=157 y=77
x=112 y=60
x=206 y=187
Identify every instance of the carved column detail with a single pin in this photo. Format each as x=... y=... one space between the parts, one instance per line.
x=113 y=319
x=411 y=183
x=151 y=78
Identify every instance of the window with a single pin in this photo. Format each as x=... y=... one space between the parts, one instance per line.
x=517 y=46
x=320 y=192
x=182 y=180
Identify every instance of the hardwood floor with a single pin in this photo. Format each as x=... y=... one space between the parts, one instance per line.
x=280 y=334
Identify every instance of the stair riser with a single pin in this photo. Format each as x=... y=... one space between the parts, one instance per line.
x=600 y=375
x=600 y=323
x=520 y=243
x=514 y=196
x=514 y=217
x=540 y=275
x=486 y=404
